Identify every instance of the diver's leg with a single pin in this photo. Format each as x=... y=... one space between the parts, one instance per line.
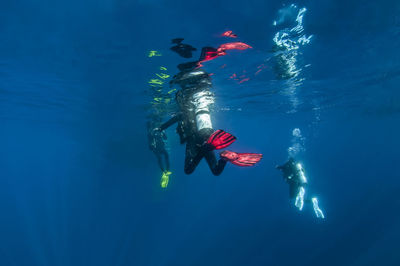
x=293 y=190
x=192 y=158
x=166 y=159
x=318 y=212
x=160 y=164
x=215 y=167
x=299 y=202
x=204 y=134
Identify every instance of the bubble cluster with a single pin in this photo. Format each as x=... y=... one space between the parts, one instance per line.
x=297 y=143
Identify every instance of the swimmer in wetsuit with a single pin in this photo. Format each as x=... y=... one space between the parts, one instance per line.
x=294 y=175
x=195 y=128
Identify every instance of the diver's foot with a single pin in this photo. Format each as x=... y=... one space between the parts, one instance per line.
x=241 y=159
x=317 y=210
x=165 y=179
x=299 y=203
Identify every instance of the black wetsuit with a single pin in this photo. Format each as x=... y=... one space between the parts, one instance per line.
x=157 y=146
x=293 y=173
x=292 y=177
x=195 y=88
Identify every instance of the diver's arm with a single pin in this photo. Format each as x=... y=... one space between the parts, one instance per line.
x=170 y=122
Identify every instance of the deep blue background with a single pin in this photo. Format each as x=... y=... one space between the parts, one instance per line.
x=78 y=185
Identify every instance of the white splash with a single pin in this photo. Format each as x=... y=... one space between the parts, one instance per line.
x=289 y=40
x=287 y=43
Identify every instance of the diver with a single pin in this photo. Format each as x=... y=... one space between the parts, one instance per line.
x=194 y=100
x=157 y=145
x=294 y=175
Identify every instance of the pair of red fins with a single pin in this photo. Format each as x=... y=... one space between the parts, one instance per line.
x=221 y=139
x=210 y=53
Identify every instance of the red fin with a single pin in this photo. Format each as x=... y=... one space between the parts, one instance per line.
x=229 y=33
x=241 y=159
x=220 y=139
x=234 y=45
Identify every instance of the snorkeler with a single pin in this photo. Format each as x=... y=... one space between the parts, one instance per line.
x=194 y=99
x=157 y=146
x=294 y=175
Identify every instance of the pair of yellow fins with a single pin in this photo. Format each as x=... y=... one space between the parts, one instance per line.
x=165 y=179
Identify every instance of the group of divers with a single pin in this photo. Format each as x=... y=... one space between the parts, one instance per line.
x=195 y=127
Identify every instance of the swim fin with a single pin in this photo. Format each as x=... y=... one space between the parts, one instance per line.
x=219 y=140
x=241 y=159
x=165 y=179
x=207 y=54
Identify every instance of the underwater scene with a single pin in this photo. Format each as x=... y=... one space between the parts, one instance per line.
x=187 y=133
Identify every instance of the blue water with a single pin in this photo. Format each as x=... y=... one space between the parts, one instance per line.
x=79 y=186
